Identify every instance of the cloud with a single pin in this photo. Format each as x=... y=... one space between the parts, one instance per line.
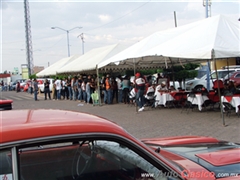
x=104 y=18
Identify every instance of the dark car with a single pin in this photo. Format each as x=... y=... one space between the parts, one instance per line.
x=66 y=145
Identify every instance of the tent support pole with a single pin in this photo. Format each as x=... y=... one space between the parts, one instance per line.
x=173 y=75
x=220 y=100
x=98 y=87
x=134 y=71
x=209 y=69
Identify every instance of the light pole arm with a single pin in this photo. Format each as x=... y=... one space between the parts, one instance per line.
x=74 y=28
x=67 y=31
x=59 y=28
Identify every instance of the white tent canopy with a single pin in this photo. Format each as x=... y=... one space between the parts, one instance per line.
x=189 y=43
x=89 y=60
x=51 y=70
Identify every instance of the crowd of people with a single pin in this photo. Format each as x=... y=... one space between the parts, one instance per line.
x=113 y=89
x=119 y=89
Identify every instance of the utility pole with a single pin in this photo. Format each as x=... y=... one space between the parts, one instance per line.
x=207 y=3
x=175 y=18
x=82 y=37
x=28 y=38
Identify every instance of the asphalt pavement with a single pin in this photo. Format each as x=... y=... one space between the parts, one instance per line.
x=160 y=122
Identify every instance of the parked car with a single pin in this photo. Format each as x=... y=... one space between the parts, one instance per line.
x=22 y=84
x=56 y=144
x=198 y=83
x=234 y=76
x=5 y=104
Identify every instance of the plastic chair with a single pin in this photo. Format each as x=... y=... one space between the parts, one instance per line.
x=95 y=98
x=149 y=99
x=179 y=99
x=228 y=108
x=189 y=104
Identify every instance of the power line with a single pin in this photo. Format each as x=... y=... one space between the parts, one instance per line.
x=120 y=17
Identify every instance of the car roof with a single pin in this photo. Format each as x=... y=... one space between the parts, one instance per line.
x=19 y=125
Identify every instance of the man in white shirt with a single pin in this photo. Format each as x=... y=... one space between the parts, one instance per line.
x=119 y=84
x=58 y=88
x=158 y=92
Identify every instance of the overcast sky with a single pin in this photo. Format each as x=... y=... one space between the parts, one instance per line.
x=103 y=23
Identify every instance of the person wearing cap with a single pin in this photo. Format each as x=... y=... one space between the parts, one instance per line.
x=140 y=87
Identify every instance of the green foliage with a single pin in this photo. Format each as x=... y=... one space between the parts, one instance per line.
x=182 y=72
x=32 y=76
x=59 y=76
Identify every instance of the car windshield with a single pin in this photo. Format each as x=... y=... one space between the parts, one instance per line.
x=221 y=74
x=190 y=151
x=229 y=75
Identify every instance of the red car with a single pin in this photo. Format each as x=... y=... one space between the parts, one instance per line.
x=64 y=145
x=234 y=76
x=5 y=104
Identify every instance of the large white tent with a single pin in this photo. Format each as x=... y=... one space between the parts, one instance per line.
x=193 y=42
x=88 y=61
x=51 y=70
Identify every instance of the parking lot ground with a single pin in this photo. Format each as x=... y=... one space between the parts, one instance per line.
x=160 y=122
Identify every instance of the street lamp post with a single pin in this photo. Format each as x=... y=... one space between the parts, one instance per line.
x=67 y=31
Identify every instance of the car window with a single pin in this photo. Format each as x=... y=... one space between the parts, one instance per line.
x=237 y=75
x=221 y=74
x=225 y=73
x=95 y=159
x=5 y=164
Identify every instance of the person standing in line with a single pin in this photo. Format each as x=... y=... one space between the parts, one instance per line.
x=54 y=91
x=140 y=86
x=79 y=86
x=69 y=88
x=35 y=88
x=58 y=88
x=103 y=88
x=73 y=81
x=18 y=87
x=126 y=89
x=63 y=89
x=120 y=91
x=88 y=91
x=46 y=89
x=108 y=89
x=114 y=87
x=83 y=87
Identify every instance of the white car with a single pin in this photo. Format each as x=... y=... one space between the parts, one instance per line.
x=198 y=83
x=41 y=85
